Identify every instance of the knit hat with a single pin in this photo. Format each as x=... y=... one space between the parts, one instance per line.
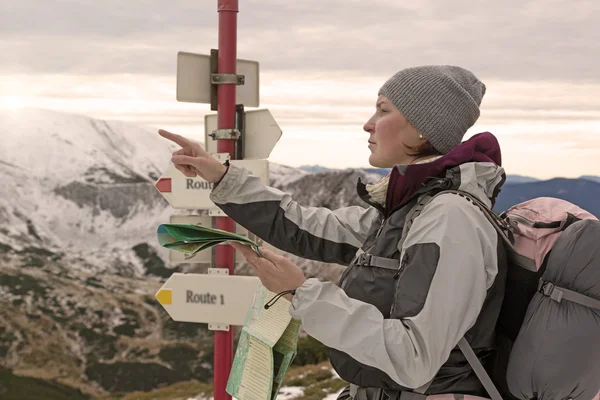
x=441 y=101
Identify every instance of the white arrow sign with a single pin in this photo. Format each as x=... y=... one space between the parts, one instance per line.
x=194 y=193
x=261 y=134
x=194 y=85
x=213 y=299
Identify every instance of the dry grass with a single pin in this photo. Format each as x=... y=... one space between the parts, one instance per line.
x=317 y=380
x=178 y=391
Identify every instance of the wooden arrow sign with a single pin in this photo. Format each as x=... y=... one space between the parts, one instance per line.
x=194 y=193
x=184 y=192
x=213 y=299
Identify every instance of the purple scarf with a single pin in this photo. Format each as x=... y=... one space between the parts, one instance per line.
x=482 y=147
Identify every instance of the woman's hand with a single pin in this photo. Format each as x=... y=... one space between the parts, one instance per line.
x=276 y=273
x=192 y=160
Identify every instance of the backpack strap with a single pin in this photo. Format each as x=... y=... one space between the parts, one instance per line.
x=558 y=294
x=369 y=260
x=479 y=370
x=499 y=224
x=500 y=227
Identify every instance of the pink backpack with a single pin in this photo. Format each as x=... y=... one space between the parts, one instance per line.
x=537 y=224
x=549 y=326
x=550 y=316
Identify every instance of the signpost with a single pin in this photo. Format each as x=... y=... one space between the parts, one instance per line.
x=214 y=299
x=194 y=193
x=261 y=134
x=245 y=138
x=194 y=80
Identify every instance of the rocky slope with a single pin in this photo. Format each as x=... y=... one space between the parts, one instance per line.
x=79 y=261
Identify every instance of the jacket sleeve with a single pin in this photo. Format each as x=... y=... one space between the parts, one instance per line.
x=315 y=233
x=411 y=350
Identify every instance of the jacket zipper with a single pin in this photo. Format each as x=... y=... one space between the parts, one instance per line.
x=398 y=274
x=380 y=228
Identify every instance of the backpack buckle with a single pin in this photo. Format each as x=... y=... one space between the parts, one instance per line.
x=364 y=260
x=546 y=288
x=549 y=289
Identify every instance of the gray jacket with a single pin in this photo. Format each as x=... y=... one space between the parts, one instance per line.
x=404 y=303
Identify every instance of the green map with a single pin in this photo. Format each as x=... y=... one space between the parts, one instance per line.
x=266 y=349
x=190 y=239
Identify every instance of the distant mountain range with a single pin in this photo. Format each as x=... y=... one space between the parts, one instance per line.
x=583 y=191
x=591 y=178
x=510 y=179
x=319 y=168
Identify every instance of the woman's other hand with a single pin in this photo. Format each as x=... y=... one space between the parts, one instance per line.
x=276 y=273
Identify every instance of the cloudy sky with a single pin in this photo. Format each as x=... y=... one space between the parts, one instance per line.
x=321 y=64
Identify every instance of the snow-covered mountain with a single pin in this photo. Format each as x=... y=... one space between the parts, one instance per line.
x=79 y=259
x=80 y=186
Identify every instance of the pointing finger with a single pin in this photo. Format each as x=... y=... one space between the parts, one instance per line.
x=180 y=140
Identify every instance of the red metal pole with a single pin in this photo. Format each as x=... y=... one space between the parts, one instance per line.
x=224 y=255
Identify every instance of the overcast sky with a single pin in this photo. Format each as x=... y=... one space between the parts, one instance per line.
x=321 y=63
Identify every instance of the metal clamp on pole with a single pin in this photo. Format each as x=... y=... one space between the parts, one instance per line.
x=217 y=78
x=231 y=134
x=227 y=79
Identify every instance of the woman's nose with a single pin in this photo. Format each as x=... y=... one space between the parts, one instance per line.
x=369 y=126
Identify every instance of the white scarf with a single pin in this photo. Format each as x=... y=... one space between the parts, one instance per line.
x=378 y=191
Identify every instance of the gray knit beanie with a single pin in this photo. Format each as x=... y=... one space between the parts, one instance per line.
x=441 y=101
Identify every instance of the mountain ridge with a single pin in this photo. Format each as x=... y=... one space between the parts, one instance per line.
x=510 y=178
x=80 y=263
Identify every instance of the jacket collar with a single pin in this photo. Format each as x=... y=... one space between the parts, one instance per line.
x=473 y=166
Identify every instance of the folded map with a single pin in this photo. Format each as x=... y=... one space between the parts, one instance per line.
x=190 y=239
x=266 y=348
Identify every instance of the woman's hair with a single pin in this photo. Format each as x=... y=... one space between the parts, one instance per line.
x=423 y=150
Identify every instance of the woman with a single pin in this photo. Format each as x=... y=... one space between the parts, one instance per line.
x=408 y=296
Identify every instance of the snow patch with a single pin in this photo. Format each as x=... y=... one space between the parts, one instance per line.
x=290 y=392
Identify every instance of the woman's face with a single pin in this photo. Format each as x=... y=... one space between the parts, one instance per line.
x=389 y=133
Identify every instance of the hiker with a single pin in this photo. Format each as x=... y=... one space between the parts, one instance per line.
x=408 y=296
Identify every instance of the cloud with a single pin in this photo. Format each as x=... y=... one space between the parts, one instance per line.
x=322 y=63
x=535 y=40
